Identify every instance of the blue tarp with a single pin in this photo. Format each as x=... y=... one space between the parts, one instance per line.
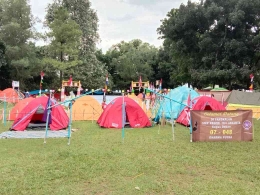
x=172 y=109
x=36 y=92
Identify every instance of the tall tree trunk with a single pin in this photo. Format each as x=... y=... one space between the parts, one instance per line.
x=61 y=77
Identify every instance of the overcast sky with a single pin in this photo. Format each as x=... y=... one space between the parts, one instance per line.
x=122 y=19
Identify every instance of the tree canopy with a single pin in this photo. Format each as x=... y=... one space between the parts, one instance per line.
x=88 y=70
x=206 y=43
x=65 y=40
x=214 y=41
x=126 y=61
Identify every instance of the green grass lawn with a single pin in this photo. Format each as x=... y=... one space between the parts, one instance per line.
x=97 y=162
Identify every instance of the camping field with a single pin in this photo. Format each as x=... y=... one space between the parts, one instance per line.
x=97 y=162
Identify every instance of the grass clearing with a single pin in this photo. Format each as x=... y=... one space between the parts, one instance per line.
x=97 y=162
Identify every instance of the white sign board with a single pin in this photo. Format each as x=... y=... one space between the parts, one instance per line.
x=15 y=84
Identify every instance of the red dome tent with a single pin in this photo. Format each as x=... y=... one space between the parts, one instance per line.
x=112 y=115
x=199 y=103
x=34 y=113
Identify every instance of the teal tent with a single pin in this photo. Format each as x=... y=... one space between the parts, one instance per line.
x=175 y=102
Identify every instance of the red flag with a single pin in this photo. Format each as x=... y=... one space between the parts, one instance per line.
x=42 y=75
x=70 y=81
x=252 y=78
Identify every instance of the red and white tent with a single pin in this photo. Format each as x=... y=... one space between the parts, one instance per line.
x=199 y=103
x=112 y=116
x=35 y=111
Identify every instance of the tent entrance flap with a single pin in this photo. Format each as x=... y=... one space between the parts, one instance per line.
x=40 y=110
x=207 y=107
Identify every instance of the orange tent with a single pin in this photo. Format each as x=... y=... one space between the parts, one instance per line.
x=11 y=95
x=18 y=108
x=86 y=108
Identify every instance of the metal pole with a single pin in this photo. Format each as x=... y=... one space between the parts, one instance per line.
x=70 y=121
x=123 y=119
x=4 y=117
x=47 y=123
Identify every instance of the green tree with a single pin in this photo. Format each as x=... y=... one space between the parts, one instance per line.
x=91 y=72
x=15 y=33
x=126 y=61
x=65 y=41
x=213 y=42
x=166 y=68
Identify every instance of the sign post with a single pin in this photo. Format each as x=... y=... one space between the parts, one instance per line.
x=212 y=126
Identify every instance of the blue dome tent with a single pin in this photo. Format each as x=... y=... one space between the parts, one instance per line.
x=172 y=109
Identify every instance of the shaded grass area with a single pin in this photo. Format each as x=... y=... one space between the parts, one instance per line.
x=97 y=162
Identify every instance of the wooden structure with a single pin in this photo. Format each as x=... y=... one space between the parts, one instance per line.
x=135 y=85
x=74 y=84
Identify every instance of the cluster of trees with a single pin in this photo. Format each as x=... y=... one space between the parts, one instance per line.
x=72 y=35
x=206 y=43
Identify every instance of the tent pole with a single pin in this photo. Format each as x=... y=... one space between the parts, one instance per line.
x=173 y=137
x=190 y=130
x=161 y=122
x=4 y=117
x=172 y=119
x=70 y=121
x=189 y=111
x=123 y=119
x=47 y=123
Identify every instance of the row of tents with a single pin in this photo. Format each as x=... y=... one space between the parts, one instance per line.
x=35 y=114
x=84 y=108
x=136 y=113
